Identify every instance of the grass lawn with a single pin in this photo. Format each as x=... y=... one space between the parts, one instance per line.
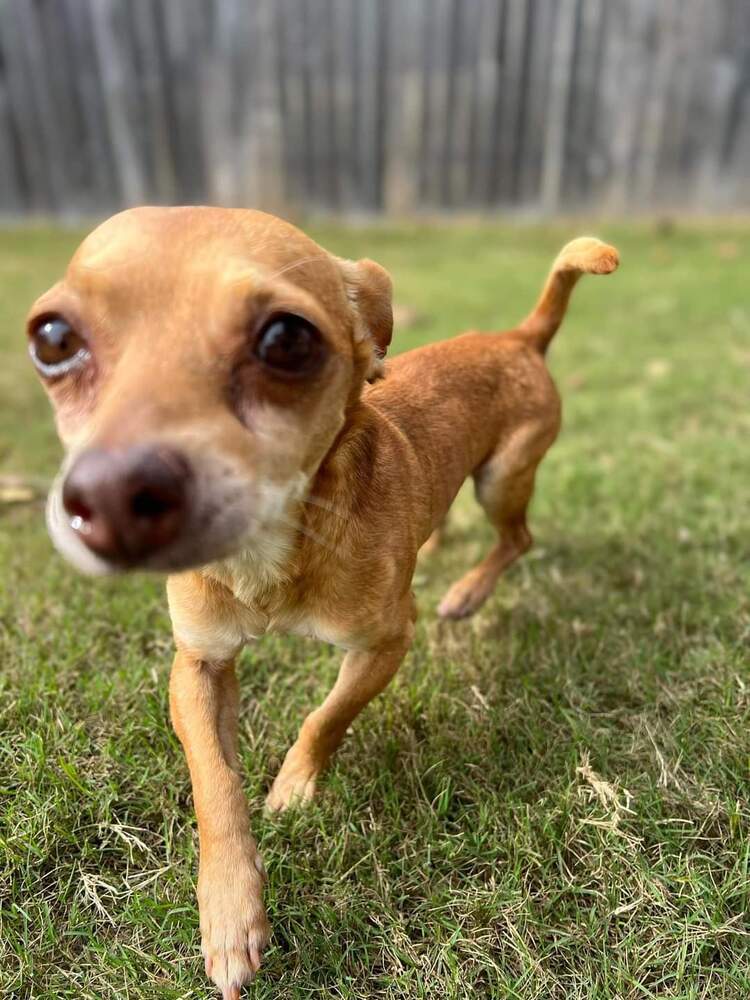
x=550 y=801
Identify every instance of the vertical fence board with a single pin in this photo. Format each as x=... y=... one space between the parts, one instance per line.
x=486 y=100
x=183 y=40
x=724 y=73
x=553 y=154
x=656 y=104
x=512 y=85
x=464 y=41
x=536 y=95
x=12 y=186
x=215 y=66
x=114 y=84
x=53 y=48
x=371 y=72
x=344 y=109
x=291 y=68
x=262 y=155
x=245 y=119
x=436 y=83
x=586 y=162
x=155 y=110
x=402 y=140
x=622 y=98
x=96 y=147
x=43 y=176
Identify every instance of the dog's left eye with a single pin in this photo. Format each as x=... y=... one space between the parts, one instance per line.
x=56 y=348
x=290 y=344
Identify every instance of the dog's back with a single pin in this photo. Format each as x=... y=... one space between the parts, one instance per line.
x=485 y=405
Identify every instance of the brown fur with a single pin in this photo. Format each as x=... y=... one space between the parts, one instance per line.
x=166 y=297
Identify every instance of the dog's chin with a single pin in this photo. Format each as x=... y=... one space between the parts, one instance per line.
x=197 y=546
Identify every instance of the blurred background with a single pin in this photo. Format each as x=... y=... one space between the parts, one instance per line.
x=375 y=106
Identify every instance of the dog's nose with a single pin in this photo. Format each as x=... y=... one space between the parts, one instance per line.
x=126 y=504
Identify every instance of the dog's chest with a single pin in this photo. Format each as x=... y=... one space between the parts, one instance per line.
x=272 y=602
x=309 y=617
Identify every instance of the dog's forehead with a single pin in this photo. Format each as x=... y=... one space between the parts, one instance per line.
x=197 y=245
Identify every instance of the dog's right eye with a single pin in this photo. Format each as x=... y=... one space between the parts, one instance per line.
x=290 y=345
x=56 y=348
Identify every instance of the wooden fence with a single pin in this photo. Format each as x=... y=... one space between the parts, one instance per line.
x=395 y=106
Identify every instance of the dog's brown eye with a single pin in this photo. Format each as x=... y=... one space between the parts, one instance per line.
x=290 y=344
x=56 y=348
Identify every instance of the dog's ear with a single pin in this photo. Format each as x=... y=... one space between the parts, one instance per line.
x=369 y=289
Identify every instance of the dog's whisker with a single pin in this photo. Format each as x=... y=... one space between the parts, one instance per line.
x=275 y=274
x=297 y=263
x=325 y=505
x=314 y=536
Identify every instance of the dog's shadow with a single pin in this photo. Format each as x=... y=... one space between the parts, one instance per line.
x=591 y=627
x=585 y=627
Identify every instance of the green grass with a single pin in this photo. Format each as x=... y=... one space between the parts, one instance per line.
x=462 y=845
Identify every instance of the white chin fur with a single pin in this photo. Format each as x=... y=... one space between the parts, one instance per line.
x=67 y=542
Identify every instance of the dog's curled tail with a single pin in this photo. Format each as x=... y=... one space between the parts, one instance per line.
x=585 y=255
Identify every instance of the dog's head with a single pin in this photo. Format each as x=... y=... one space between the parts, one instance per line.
x=201 y=363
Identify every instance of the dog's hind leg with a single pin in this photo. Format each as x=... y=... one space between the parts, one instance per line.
x=504 y=486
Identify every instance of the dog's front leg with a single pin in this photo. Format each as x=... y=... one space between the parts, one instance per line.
x=363 y=674
x=234 y=930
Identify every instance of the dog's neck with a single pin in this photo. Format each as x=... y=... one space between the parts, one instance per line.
x=307 y=534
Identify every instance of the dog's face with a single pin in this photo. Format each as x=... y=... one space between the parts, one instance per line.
x=201 y=363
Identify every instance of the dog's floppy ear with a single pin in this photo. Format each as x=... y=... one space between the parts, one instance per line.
x=369 y=289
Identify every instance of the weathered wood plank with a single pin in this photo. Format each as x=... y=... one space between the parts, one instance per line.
x=345 y=104
x=155 y=109
x=624 y=85
x=553 y=154
x=536 y=102
x=53 y=51
x=220 y=81
x=95 y=145
x=402 y=142
x=460 y=99
x=261 y=142
x=369 y=131
x=13 y=193
x=487 y=100
x=183 y=40
x=585 y=158
x=722 y=74
x=435 y=117
x=513 y=86
x=32 y=123
x=114 y=79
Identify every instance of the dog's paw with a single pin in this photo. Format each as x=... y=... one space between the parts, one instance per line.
x=234 y=928
x=294 y=785
x=466 y=595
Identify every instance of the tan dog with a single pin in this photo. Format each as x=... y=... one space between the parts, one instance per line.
x=208 y=371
